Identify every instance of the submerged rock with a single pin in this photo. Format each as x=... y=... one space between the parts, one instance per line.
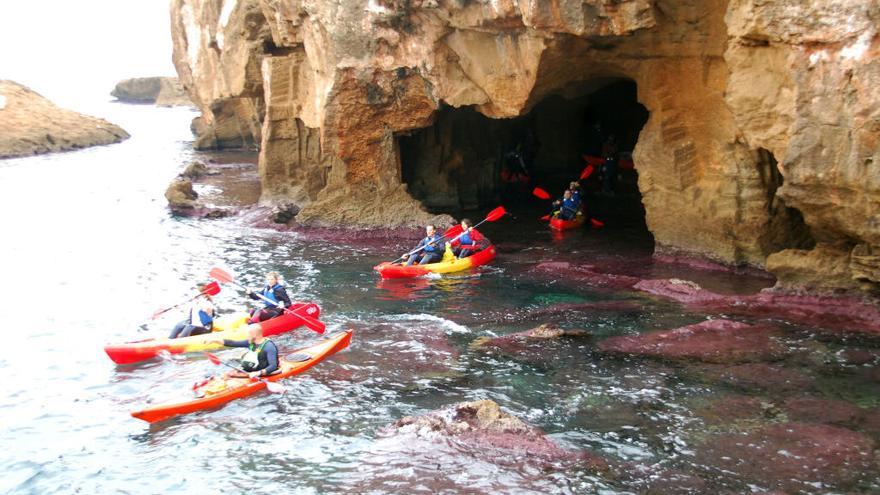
x=793 y=456
x=750 y=377
x=533 y=340
x=31 y=124
x=847 y=314
x=712 y=341
x=484 y=429
x=585 y=275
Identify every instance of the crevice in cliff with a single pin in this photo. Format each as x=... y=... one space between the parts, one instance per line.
x=786 y=228
x=467 y=160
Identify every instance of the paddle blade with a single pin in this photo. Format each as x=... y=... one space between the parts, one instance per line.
x=545 y=218
x=211 y=289
x=495 y=214
x=597 y=224
x=541 y=193
x=588 y=170
x=221 y=275
x=452 y=231
x=214 y=359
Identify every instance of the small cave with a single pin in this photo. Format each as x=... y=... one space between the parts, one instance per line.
x=787 y=229
x=467 y=160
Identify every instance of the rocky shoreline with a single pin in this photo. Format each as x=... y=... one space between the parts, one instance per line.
x=32 y=125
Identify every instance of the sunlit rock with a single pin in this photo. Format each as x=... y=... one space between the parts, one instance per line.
x=163 y=91
x=31 y=124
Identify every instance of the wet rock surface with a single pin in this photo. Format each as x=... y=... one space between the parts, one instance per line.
x=845 y=314
x=533 y=343
x=794 y=456
x=585 y=275
x=761 y=377
x=713 y=341
x=31 y=125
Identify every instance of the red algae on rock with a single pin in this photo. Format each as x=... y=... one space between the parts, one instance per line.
x=712 y=341
x=793 y=456
x=846 y=314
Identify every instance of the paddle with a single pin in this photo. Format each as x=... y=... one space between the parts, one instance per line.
x=540 y=193
x=588 y=170
x=491 y=217
x=210 y=289
x=225 y=277
x=275 y=388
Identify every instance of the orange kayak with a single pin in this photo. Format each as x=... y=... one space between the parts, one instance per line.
x=220 y=389
x=231 y=327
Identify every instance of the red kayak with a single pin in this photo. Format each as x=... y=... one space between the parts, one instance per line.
x=560 y=224
x=389 y=270
x=231 y=327
x=222 y=389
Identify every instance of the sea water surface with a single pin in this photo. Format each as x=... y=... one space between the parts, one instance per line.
x=89 y=251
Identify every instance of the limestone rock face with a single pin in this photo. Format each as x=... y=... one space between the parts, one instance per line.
x=761 y=136
x=163 y=91
x=31 y=124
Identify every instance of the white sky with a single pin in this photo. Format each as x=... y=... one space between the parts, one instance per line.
x=75 y=50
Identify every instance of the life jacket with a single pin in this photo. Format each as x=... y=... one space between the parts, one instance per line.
x=269 y=293
x=255 y=359
x=200 y=318
x=435 y=247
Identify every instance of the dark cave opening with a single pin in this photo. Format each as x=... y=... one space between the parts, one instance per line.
x=467 y=160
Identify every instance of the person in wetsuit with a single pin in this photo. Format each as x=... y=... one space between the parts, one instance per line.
x=470 y=241
x=200 y=320
x=276 y=293
x=261 y=359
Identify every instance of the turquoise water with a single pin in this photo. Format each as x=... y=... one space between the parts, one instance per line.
x=90 y=251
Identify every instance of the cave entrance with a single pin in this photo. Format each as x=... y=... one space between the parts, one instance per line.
x=466 y=160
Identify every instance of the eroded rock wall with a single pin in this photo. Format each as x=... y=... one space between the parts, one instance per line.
x=761 y=139
x=806 y=87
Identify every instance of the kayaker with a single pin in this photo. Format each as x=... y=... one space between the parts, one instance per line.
x=575 y=188
x=433 y=248
x=200 y=320
x=470 y=241
x=568 y=207
x=261 y=359
x=276 y=293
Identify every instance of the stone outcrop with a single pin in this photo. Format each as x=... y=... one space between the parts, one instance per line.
x=163 y=91
x=31 y=124
x=762 y=123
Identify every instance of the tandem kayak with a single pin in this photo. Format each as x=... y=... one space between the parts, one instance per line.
x=231 y=327
x=560 y=224
x=389 y=270
x=221 y=389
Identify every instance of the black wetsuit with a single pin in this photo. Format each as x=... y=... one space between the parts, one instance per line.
x=267 y=357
